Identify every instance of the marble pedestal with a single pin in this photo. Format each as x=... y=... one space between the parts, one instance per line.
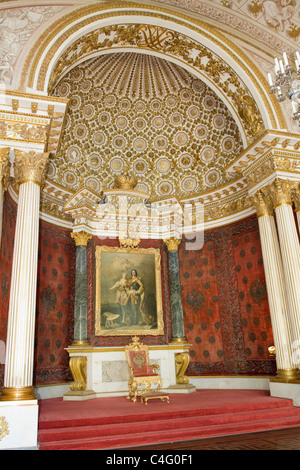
x=107 y=371
x=19 y=425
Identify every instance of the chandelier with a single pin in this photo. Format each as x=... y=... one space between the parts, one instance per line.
x=287 y=83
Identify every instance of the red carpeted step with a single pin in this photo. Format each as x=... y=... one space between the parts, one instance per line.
x=120 y=410
x=131 y=440
x=103 y=436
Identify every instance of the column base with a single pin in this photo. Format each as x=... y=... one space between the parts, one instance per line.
x=78 y=395
x=17 y=394
x=182 y=340
x=80 y=343
x=182 y=388
x=287 y=376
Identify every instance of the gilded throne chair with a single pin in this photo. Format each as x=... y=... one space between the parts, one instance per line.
x=142 y=374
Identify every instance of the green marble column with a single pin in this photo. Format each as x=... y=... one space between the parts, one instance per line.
x=178 y=335
x=80 y=309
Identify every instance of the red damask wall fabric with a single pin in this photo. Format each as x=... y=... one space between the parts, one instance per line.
x=6 y=257
x=226 y=311
x=55 y=305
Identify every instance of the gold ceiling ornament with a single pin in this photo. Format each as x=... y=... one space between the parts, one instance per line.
x=138 y=127
x=81 y=238
x=157 y=38
x=125 y=181
x=30 y=166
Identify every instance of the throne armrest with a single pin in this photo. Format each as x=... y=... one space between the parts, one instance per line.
x=153 y=367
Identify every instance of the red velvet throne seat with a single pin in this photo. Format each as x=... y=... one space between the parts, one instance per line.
x=142 y=374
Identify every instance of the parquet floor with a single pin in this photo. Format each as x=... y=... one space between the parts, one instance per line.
x=286 y=439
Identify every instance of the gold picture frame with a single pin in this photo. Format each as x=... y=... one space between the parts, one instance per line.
x=128 y=292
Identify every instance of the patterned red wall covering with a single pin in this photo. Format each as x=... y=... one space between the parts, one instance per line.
x=55 y=305
x=226 y=311
x=6 y=257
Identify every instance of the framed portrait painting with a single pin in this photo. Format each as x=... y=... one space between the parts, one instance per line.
x=128 y=296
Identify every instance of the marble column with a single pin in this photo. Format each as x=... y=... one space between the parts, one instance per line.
x=80 y=309
x=18 y=379
x=4 y=178
x=275 y=283
x=178 y=335
x=281 y=194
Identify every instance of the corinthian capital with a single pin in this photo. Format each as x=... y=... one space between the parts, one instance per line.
x=281 y=191
x=81 y=238
x=263 y=204
x=30 y=166
x=172 y=243
x=296 y=197
x=4 y=167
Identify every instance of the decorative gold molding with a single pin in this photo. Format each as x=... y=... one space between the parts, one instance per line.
x=4 y=428
x=182 y=361
x=81 y=238
x=17 y=394
x=30 y=166
x=172 y=243
x=129 y=242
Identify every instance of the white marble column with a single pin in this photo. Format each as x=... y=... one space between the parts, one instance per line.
x=4 y=177
x=281 y=194
x=29 y=169
x=275 y=283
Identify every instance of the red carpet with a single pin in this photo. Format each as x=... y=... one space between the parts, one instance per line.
x=115 y=423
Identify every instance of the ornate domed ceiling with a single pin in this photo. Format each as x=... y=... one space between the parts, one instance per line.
x=142 y=113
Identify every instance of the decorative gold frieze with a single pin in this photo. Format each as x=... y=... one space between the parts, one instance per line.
x=30 y=166
x=81 y=238
x=23 y=127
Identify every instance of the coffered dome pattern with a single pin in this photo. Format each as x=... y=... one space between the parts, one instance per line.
x=142 y=113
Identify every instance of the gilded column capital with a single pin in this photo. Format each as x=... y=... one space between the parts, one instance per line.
x=172 y=243
x=296 y=197
x=4 y=167
x=263 y=204
x=30 y=166
x=281 y=192
x=81 y=238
